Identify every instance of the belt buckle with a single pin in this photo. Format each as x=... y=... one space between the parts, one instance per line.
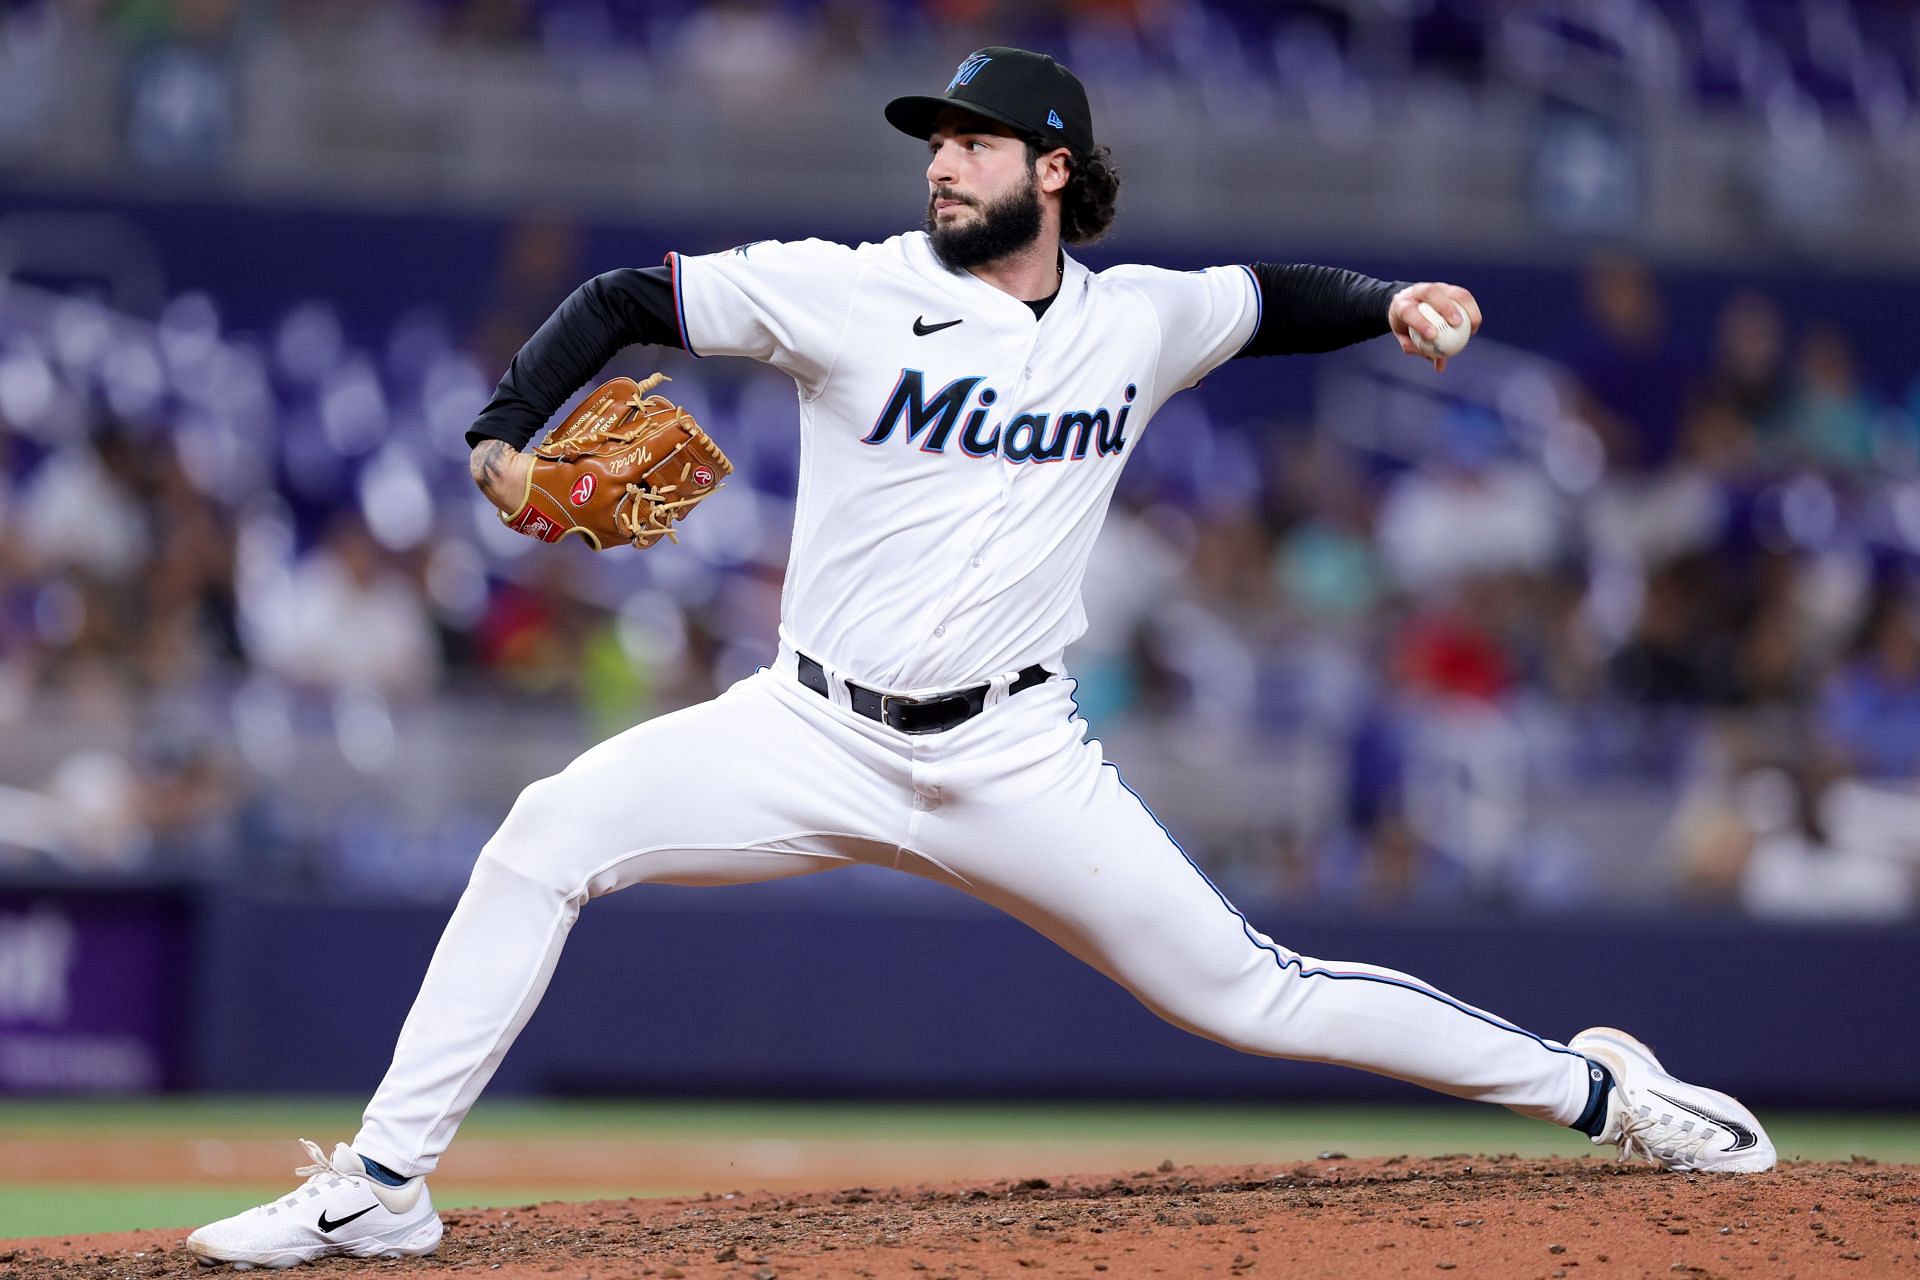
x=887 y=703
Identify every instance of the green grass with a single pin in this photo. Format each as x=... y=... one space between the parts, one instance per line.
x=60 y=1209
x=1276 y=1133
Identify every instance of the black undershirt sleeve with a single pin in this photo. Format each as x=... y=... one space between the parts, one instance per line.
x=1306 y=308
x=608 y=312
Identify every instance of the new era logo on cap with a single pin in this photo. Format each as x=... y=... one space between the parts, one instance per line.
x=1053 y=118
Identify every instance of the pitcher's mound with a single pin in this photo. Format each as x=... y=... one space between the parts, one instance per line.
x=1333 y=1217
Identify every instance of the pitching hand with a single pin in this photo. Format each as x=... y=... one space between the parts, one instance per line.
x=1455 y=304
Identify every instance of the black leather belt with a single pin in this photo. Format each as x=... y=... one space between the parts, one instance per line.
x=916 y=715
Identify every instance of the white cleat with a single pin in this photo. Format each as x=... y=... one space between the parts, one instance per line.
x=341 y=1211
x=1677 y=1126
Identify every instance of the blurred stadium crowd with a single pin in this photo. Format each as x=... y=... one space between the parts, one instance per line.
x=1617 y=617
x=1626 y=625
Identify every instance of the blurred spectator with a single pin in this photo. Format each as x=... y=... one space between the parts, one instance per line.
x=1677 y=652
x=1765 y=845
x=1718 y=444
x=1229 y=560
x=1467 y=510
x=1870 y=711
x=80 y=510
x=190 y=626
x=1328 y=570
x=1748 y=376
x=1770 y=660
x=1632 y=374
x=188 y=797
x=1134 y=568
x=345 y=619
x=534 y=633
x=1450 y=651
x=1829 y=419
x=1325 y=563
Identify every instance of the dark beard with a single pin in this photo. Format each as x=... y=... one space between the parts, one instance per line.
x=1006 y=226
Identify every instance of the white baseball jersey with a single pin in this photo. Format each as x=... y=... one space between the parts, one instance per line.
x=957 y=456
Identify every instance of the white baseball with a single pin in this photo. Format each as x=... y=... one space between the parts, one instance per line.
x=1451 y=340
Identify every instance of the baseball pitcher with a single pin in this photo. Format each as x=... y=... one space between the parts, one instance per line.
x=967 y=397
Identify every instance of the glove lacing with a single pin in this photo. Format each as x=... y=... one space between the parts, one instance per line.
x=662 y=511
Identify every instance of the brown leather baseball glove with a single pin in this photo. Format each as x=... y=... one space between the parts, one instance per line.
x=623 y=467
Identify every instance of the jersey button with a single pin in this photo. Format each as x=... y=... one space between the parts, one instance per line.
x=976 y=562
x=940 y=630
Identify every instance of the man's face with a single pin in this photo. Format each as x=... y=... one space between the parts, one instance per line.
x=982 y=200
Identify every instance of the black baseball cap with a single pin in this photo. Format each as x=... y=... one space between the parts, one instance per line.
x=1015 y=87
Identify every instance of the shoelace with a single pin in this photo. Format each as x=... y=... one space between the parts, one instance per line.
x=319 y=1174
x=1639 y=1124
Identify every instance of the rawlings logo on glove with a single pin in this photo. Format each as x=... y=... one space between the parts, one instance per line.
x=623 y=467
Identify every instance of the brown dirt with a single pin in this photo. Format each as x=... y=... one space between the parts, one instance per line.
x=1329 y=1218
x=623 y=1163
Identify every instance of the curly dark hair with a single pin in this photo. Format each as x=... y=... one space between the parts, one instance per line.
x=1093 y=188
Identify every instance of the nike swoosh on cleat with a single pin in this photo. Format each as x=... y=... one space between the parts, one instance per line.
x=1743 y=1137
x=921 y=328
x=337 y=1223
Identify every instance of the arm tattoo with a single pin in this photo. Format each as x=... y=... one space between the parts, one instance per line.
x=488 y=462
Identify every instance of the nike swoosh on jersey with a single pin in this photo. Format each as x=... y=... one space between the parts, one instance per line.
x=1743 y=1137
x=921 y=328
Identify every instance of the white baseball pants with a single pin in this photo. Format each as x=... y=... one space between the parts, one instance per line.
x=1015 y=807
